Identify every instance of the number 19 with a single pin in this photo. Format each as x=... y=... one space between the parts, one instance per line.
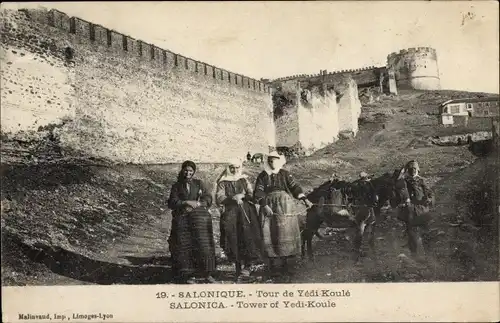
x=161 y=295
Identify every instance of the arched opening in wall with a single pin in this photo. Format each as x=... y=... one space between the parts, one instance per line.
x=176 y=60
x=236 y=79
x=164 y=57
x=196 y=67
x=214 y=75
x=186 y=65
x=69 y=53
x=125 y=43
x=222 y=75
x=229 y=78
x=205 y=70
x=152 y=52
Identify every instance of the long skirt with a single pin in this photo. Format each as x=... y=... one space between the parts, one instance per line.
x=191 y=242
x=281 y=231
x=241 y=237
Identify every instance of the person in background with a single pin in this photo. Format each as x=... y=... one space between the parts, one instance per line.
x=275 y=190
x=191 y=240
x=249 y=157
x=241 y=237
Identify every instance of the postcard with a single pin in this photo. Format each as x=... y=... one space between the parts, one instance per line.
x=260 y=161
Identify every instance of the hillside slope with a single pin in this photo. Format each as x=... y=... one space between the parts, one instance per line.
x=67 y=219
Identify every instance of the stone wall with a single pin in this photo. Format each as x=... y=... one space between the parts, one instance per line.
x=36 y=88
x=127 y=100
x=349 y=105
x=315 y=111
x=318 y=120
x=364 y=77
x=495 y=130
x=413 y=68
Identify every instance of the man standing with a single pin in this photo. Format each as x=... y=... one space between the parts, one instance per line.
x=364 y=198
x=416 y=213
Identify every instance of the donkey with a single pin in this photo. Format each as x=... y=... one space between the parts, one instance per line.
x=335 y=195
x=333 y=205
x=384 y=188
x=257 y=158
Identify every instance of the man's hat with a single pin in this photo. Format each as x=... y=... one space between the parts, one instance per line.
x=363 y=175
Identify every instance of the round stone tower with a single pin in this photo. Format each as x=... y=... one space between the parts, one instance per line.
x=415 y=68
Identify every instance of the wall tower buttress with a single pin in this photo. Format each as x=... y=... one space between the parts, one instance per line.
x=415 y=68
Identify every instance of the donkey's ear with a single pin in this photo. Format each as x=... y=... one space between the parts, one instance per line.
x=401 y=172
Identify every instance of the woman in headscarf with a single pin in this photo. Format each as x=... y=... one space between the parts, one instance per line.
x=191 y=240
x=275 y=189
x=241 y=237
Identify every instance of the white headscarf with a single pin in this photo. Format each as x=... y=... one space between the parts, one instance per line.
x=281 y=161
x=226 y=174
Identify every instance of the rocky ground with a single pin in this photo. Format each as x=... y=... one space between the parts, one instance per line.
x=70 y=219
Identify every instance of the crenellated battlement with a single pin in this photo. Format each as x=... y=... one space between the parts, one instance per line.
x=126 y=100
x=348 y=71
x=158 y=57
x=392 y=57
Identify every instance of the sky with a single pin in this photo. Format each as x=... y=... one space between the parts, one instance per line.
x=275 y=39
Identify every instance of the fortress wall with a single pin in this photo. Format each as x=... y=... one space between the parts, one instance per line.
x=287 y=124
x=128 y=100
x=36 y=88
x=287 y=128
x=349 y=106
x=318 y=121
x=320 y=109
x=495 y=131
x=363 y=76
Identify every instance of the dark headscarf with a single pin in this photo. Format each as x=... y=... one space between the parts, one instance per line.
x=187 y=163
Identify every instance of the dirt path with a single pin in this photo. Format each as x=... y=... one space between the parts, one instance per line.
x=141 y=257
x=146 y=248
